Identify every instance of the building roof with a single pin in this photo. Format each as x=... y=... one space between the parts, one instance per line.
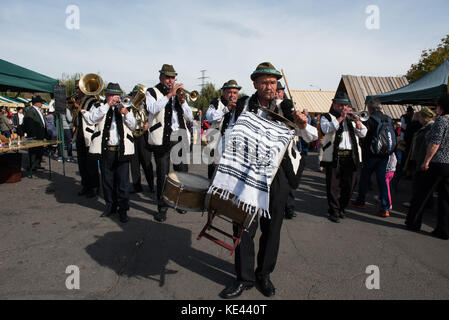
x=359 y=87
x=313 y=101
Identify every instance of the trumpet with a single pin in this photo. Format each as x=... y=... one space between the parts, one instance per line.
x=139 y=113
x=362 y=115
x=181 y=93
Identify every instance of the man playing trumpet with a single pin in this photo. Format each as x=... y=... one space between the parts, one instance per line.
x=168 y=112
x=113 y=143
x=341 y=154
x=219 y=108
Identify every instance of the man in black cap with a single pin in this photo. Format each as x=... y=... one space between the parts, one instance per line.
x=341 y=154
x=87 y=164
x=265 y=82
x=35 y=127
x=142 y=157
x=113 y=144
x=167 y=114
x=219 y=107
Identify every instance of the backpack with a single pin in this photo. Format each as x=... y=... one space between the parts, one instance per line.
x=384 y=140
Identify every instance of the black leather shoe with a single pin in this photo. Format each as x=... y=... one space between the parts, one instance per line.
x=123 y=218
x=161 y=216
x=342 y=215
x=235 y=290
x=110 y=210
x=83 y=192
x=266 y=286
x=91 y=193
x=438 y=234
x=181 y=211
x=334 y=218
x=137 y=188
x=289 y=215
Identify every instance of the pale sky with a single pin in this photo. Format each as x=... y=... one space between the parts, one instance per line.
x=315 y=42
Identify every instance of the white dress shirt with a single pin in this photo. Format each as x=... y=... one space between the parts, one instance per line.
x=154 y=106
x=21 y=116
x=215 y=115
x=41 y=115
x=331 y=126
x=96 y=114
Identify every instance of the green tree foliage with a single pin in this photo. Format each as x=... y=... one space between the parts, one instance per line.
x=430 y=60
x=68 y=80
x=207 y=94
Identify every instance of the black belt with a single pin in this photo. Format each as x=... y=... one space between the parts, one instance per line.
x=112 y=148
x=344 y=153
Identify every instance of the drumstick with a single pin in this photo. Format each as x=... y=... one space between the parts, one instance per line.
x=288 y=89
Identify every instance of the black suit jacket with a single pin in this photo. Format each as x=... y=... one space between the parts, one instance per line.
x=33 y=126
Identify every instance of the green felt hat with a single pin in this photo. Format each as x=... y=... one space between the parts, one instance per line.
x=280 y=87
x=266 y=68
x=168 y=70
x=341 y=97
x=231 y=84
x=134 y=90
x=113 y=88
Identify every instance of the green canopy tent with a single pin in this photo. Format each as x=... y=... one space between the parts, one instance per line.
x=424 y=91
x=19 y=79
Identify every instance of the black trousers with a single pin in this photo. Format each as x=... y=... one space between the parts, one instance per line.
x=162 y=159
x=340 y=183
x=115 y=181
x=35 y=156
x=290 y=206
x=142 y=157
x=435 y=179
x=210 y=170
x=88 y=167
x=269 y=239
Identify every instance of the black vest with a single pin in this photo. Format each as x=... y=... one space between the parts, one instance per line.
x=168 y=116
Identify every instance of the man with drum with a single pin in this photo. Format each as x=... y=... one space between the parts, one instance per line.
x=219 y=107
x=265 y=79
x=168 y=112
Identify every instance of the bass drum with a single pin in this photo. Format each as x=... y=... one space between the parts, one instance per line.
x=185 y=191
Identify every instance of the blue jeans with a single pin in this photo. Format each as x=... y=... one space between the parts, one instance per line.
x=378 y=165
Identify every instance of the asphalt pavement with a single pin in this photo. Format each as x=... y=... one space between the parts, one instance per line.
x=48 y=233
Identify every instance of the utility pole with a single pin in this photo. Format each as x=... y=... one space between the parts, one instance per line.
x=202 y=78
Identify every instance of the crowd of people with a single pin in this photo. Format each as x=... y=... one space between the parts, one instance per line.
x=104 y=133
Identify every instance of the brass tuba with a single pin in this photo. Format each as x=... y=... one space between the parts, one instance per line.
x=139 y=113
x=91 y=84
